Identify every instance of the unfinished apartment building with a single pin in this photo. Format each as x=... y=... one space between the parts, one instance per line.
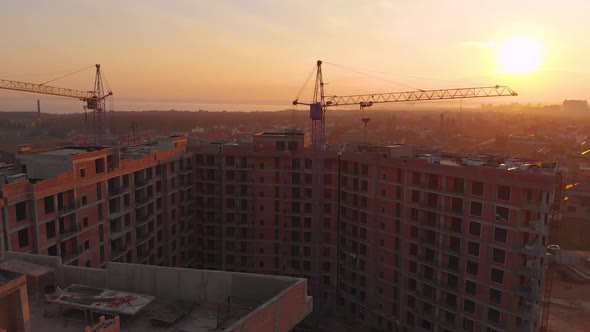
x=94 y=205
x=442 y=242
x=254 y=213
x=400 y=239
x=394 y=238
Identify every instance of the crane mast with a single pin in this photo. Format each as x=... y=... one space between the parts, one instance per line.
x=317 y=112
x=321 y=102
x=95 y=100
x=99 y=109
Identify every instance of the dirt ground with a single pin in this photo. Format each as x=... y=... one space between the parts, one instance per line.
x=570 y=305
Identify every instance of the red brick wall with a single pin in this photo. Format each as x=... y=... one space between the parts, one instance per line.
x=8 y=311
x=292 y=308
x=284 y=313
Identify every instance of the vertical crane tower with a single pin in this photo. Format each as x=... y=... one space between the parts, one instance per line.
x=94 y=100
x=99 y=105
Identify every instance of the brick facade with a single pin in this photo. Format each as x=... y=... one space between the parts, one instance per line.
x=393 y=239
x=117 y=204
x=402 y=242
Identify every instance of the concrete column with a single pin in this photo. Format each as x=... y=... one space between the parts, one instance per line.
x=35 y=219
x=23 y=318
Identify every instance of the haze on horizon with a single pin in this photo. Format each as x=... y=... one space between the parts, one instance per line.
x=261 y=51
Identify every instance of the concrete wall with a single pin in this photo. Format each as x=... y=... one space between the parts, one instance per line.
x=192 y=284
x=45 y=166
x=251 y=286
x=50 y=261
x=284 y=300
x=14 y=306
x=165 y=282
x=67 y=275
x=279 y=314
x=171 y=283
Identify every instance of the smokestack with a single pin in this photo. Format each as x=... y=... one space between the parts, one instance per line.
x=38 y=113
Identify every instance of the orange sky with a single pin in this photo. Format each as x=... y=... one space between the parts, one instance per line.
x=262 y=51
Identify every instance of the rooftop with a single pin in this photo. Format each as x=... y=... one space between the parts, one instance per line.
x=47 y=317
x=25 y=268
x=105 y=300
x=435 y=156
x=154 y=298
x=141 y=150
x=8 y=276
x=283 y=133
x=67 y=151
x=579 y=188
x=44 y=164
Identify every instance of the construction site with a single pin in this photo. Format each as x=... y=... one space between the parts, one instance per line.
x=379 y=236
x=45 y=295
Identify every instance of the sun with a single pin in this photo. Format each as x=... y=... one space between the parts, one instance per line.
x=520 y=55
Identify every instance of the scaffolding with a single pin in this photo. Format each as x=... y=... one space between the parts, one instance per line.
x=550 y=262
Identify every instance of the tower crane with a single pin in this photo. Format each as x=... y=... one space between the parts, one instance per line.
x=95 y=99
x=321 y=102
x=317 y=114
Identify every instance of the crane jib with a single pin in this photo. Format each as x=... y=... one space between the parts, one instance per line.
x=44 y=89
x=419 y=95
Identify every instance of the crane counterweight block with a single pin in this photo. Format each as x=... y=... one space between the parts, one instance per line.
x=315 y=111
x=92 y=104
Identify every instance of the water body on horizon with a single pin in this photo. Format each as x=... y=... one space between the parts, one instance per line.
x=65 y=106
x=61 y=105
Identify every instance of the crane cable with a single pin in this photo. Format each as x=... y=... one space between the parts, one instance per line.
x=70 y=74
x=110 y=105
x=405 y=75
x=37 y=74
x=305 y=83
x=313 y=69
x=104 y=76
x=352 y=69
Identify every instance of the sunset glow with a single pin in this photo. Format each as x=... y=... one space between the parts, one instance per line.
x=520 y=55
x=155 y=53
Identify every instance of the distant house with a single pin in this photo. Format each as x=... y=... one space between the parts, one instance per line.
x=577 y=204
x=215 y=134
x=81 y=140
x=239 y=131
x=197 y=130
x=575 y=106
x=21 y=123
x=6 y=157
